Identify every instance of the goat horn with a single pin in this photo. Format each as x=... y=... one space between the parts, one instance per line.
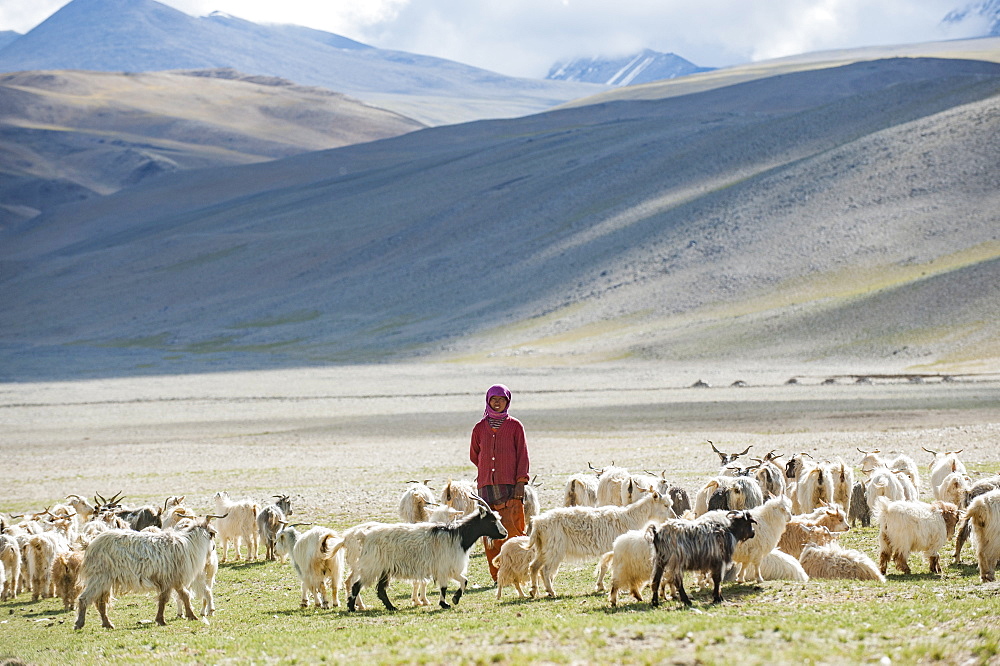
x=746 y=450
x=713 y=447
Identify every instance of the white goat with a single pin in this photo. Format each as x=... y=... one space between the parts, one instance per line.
x=513 y=564
x=581 y=490
x=580 y=532
x=10 y=558
x=316 y=561
x=202 y=586
x=41 y=552
x=460 y=495
x=237 y=523
x=771 y=518
x=631 y=564
x=882 y=483
x=416 y=551
x=66 y=577
x=778 y=565
x=610 y=481
x=414 y=502
x=814 y=487
x=984 y=516
x=833 y=561
x=954 y=488
x=123 y=561
x=270 y=520
x=906 y=526
x=944 y=464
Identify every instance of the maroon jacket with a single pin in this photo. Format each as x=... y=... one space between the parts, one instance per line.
x=502 y=456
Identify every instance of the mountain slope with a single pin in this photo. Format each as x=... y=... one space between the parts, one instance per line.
x=143 y=35
x=642 y=67
x=65 y=136
x=747 y=220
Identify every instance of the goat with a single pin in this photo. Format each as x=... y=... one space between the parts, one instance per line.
x=133 y=561
x=579 y=532
x=901 y=463
x=316 y=559
x=980 y=487
x=727 y=459
x=739 y=493
x=422 y=550
x=610 y=481
x=843 y=484
x=814 y=486
x=954 y=488
x=817 y=528
x=270 y=521
x=859 y=510
x=10 y=559
x=914 y=526
x=581 y=490
x=882 y=483
x=238 y=522
x=770 y=518
x=984 y=516
x=833 y=561
x=631 y=563
x=351 y=544
x=532 y=506
x=460 y=495
x=414 y=501
x=66 y=577
x=769 y=475
x=202 y=586
x=513 y=564
x=706 y=544
x=778 y=565
x=943 y=464
x=42 y=550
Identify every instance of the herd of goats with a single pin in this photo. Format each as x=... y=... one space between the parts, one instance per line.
x=749 y=523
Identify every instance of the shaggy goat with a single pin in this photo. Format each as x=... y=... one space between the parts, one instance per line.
x=10 y=558
x=859 y=510
x=123 y=561
x=914 y=526
x=460 y=495
x=943 y=464
x=66 y=577
x=270 y=520
x=416 y=551
x=770 y=518
x=777 y=565
x=984 y=516
x=237 y=523
x=513 y=564
x=980 y=487
x=833 y=561
x=41 y=551
x=610 y=482
x=581 y=490
x=706 y=544
x=316 y=561
x=580 y=532
x=414 y=501
x=814 y=487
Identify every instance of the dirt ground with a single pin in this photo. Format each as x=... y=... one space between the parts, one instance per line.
x=343 y=441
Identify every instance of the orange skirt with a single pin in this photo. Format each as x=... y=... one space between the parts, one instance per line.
x=512 y=518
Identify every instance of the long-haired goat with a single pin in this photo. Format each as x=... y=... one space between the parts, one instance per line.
x=10 y=559
x=980 y=487
x=580 y=532
x=778 y=565
x=706 y=545
x=316 y=560
x=834 y=561
x=943 y=464
x=460 y=495
x=914 y=526
x=414 y=502
x=581 y=490
x=513 y=564
x=42 y=550
x=984 y=516
x=416 y=551
x=270 y=521
x=237 y=524
x=66 y=577
x=121 y=561
x=770 y=519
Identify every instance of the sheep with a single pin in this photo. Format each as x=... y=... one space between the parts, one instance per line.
x=270 y=521
x=238 y=522
x=706 y=544
x=581 y=490
x=984 y=516
x=814 y=486
x=123 y=561
x=41 y=551
x=906 y=526
x=980 y=487
x=834 y=561
x=414 y=501
x=422 y=550
x=66 y=577
x=316 y=560
x=770 y=519
x=10 y=558
x=460 y=495
x=859 y=510
x=778 y=565
x=943 y=464
x=513 y=564
x=579 y=532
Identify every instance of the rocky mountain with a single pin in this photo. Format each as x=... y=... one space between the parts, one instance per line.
x=66 y=136
x=844 y=213
x=642 y=67
x=143 y=36
x=8 y=36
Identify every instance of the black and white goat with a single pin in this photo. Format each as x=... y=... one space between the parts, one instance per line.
x=416 y=551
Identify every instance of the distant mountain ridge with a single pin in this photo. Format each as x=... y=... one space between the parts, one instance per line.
x=143 y=35
x=642 y=67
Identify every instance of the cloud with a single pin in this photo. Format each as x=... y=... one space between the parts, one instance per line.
x=525 y=37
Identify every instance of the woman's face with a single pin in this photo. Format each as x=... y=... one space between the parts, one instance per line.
x=498 y=403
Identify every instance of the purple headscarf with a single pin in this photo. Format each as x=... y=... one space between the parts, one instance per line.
x=498 y=389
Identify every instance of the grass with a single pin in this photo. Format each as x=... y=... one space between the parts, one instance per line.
x=919 y=618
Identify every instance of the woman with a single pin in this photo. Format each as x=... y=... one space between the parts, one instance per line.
x=500 y=455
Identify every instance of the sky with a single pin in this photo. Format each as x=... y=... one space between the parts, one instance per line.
x=526 y=37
